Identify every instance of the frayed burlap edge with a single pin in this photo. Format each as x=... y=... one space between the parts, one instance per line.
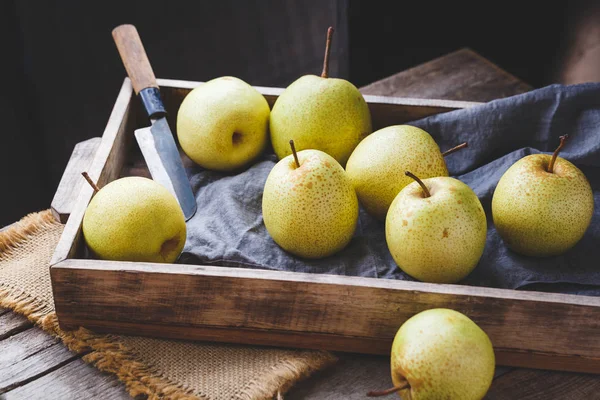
x=105 y=352
x=21 y=230
x=285 y=374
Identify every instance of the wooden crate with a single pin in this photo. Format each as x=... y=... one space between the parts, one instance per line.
x=354 y=314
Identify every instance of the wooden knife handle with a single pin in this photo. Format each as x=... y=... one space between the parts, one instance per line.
x=134 y=57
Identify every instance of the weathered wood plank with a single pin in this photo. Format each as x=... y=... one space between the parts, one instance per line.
x=317 y=311
x=72 y=181
x=385 y=110
x=462 y=75
x=351 y=379
x=12 y=323
x=74 y=381
x=524 y=384
x=28 y=355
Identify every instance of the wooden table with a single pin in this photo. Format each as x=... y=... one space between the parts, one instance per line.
x=35 y=366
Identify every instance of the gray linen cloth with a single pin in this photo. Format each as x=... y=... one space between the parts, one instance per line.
x=228 y=228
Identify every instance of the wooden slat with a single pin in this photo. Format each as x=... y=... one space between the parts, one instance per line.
x=72 y=181
x=317 y=311
x=11 y=324
x=106 y=166
x=525 y=384
x=349 y=379
x=462 y=75
x=29 y=355
x=385 y=110
x=73 y=381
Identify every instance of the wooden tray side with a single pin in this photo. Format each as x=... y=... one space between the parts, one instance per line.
x=385 y=111
x=105 y=168
x=316 y=311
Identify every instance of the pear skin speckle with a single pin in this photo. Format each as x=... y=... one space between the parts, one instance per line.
x=436 y=239
x=538 y=213
x=310 y=211
x=326 y=114
x=442 y=354
x=135 y=219
x=222 y=124
x=377 y=165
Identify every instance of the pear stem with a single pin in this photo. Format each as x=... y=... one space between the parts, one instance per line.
x=455 y=148
x=294 y=153
x=325 y=73
x=91 y=182
x=420 y=182
x=563 y=138
x=379 y=393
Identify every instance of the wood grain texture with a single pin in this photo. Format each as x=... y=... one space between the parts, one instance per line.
x=385 y=110
x=349 y=379
x=28 y=355
x=72 y=181
x=74 y=381
x=331 y=312
x=106 y=167
x=12 y=323
x=462 y=75
x=134 y=57
x=526 y=384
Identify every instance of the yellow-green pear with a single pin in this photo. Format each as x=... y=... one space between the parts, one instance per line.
x=309 y=206
x=436 y=229
x=223 y=124
x=441 y=354
x=320 y=113
x=376 y=167
x=134 y=219
x=542 y=205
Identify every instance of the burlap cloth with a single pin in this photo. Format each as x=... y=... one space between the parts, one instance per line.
x=149 y=368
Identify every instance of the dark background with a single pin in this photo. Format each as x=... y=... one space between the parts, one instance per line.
x=62 y=73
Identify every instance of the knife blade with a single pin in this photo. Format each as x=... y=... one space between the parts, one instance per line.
x=158 y=148
x=156 y=141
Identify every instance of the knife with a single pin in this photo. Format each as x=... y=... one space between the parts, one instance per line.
x=156 y=141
